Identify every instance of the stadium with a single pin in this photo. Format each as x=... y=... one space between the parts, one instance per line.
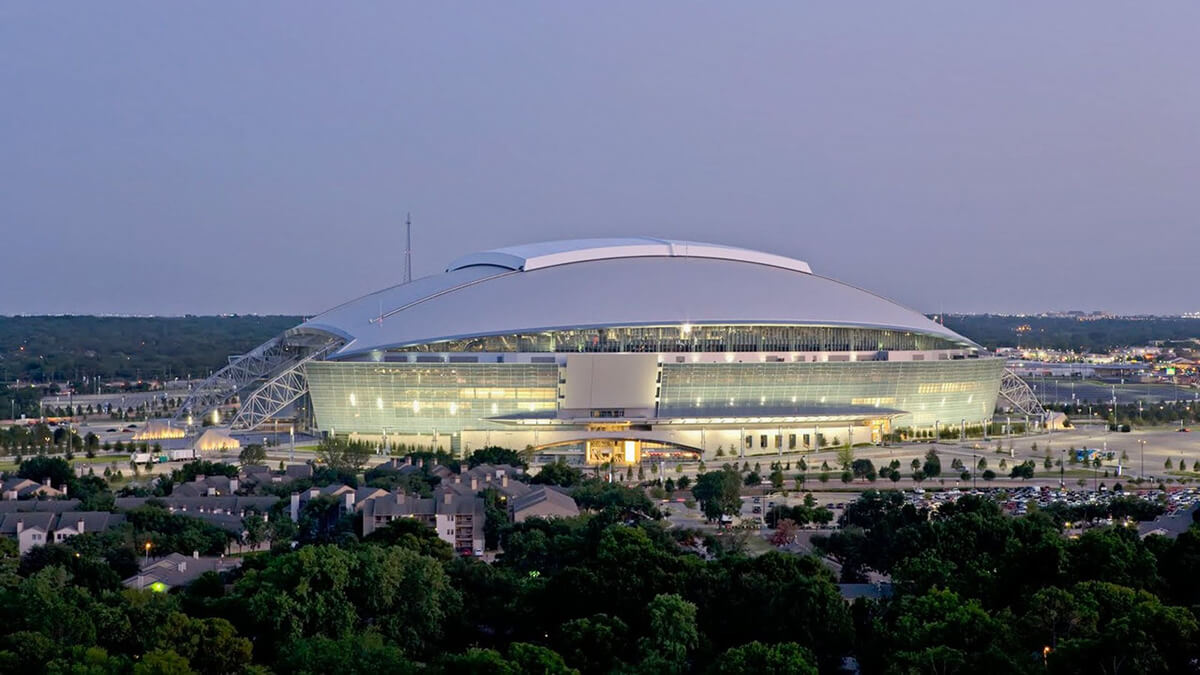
x=614 y=350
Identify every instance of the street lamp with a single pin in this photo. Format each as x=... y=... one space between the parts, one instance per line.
x=1142 y=471
x=148 y=552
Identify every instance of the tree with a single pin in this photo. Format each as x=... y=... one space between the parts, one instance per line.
x=331 y=592
x=202 y=467
x=1131 y=632
x=932 y=468
x=785 y=532
x=845 y=455
x=208 y=645
x=494 y=454
x=672 y=622
x=941 y=632
x=558 y=473
x=41 y=468
x=863 y=468
x=589 y=642
x=1022 y=470
x=162 y=662
x=777 y=479
x=253 y=453
x=254 y=530
x=343 y=455
x=531 y=658
x=719 y=493
x=756 y=658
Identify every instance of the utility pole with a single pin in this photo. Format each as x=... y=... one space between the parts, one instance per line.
x=407 y=247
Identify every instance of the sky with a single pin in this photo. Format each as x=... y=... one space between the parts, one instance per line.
x=204 y=158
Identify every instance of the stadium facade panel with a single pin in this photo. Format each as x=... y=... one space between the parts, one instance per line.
x=613 y=350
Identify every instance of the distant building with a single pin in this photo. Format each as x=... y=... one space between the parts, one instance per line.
x=207 y=486
x=457 y=519
x=23 y=488
x=542 y=502
x=176 y=570
x=32 y=529
x=191 y=506
x=500 y=478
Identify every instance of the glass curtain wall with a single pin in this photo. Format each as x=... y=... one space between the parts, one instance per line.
x=426 y=397
x=945 y=391
x=698 y=338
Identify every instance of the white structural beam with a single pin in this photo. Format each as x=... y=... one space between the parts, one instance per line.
x=1017 y=394
x=248 y=371
x=278 y=392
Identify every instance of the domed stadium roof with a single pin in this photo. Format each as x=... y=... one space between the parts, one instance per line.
x=591 y=283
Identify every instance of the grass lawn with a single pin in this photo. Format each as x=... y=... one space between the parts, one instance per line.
x=101 y=459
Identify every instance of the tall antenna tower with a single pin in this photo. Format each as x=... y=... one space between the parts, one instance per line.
x=407 y=247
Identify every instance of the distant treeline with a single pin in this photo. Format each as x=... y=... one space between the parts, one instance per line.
x=42 y=348
x=1066 y=333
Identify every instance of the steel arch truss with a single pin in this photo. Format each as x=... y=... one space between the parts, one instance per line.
x=279 y=391
x=268 y=400
x=266 y=362
x=1017 y=394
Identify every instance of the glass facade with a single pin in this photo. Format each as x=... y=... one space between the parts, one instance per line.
x=698 y=338
x=426 y=397
x=422 y=398
x=928 y=391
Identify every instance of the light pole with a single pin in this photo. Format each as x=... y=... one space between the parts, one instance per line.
x=1142 y=471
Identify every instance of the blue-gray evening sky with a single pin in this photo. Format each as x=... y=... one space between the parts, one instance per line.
x=259 y=157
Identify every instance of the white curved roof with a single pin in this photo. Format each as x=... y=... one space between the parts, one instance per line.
x=529 y=257
x=621 y=282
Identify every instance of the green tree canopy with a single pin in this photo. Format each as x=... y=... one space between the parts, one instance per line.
x=719 y=493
